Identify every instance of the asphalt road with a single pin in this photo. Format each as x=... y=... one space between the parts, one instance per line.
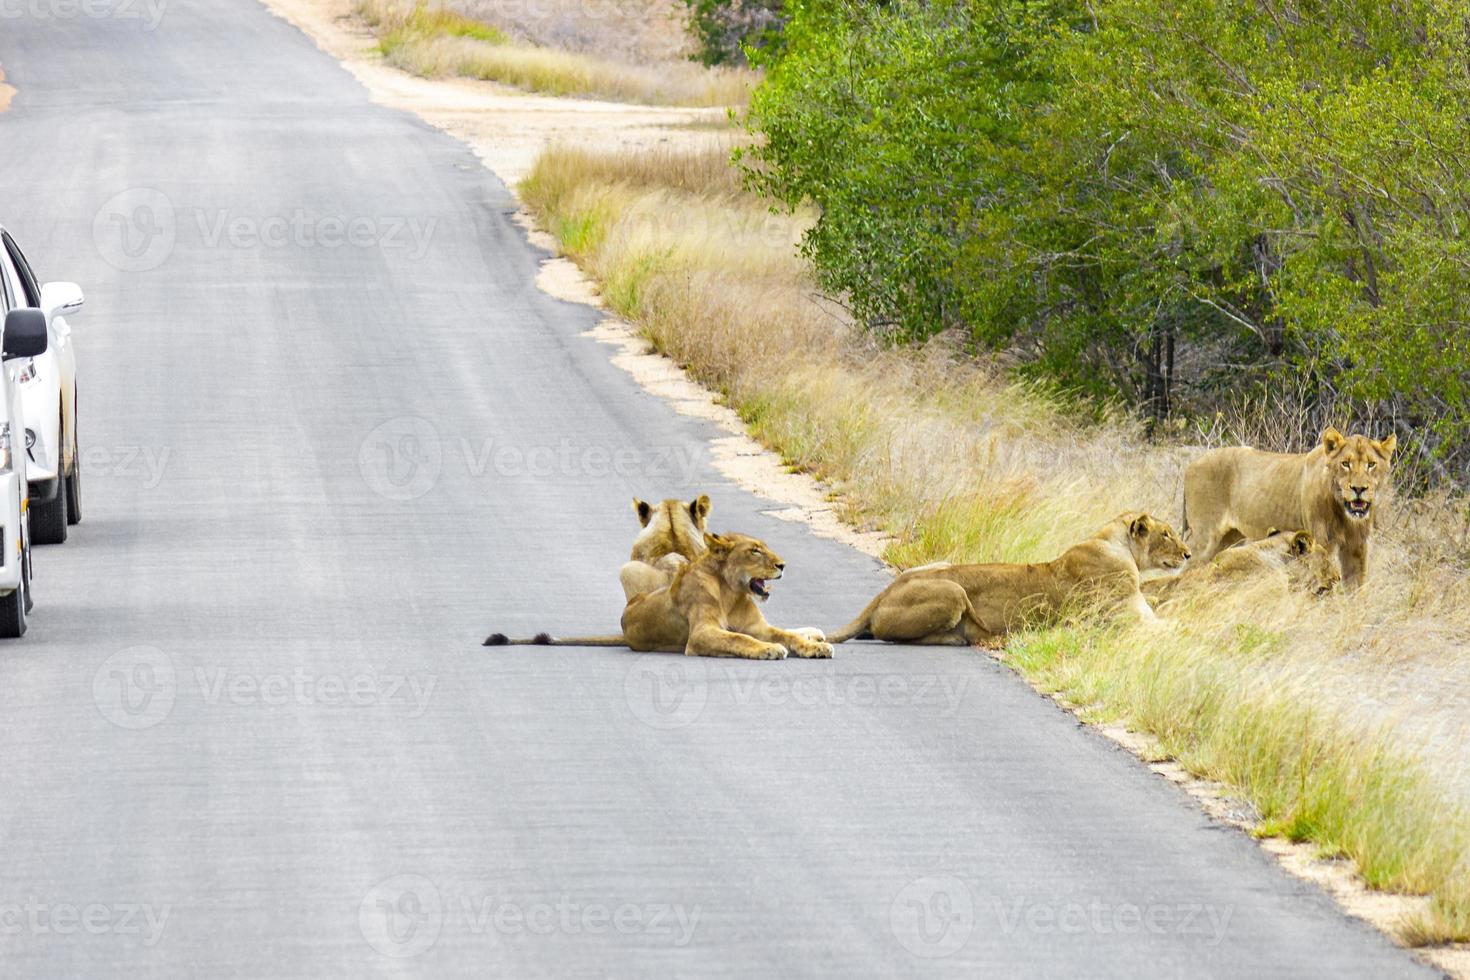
x=332 y=436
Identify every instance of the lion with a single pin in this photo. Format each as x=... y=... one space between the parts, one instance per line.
x=673 y=534
x=708 y=610
x=1240 y=493
x=1290 y=560
x=961 y=605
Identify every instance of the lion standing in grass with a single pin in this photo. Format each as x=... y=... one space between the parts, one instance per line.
x=1240 y=494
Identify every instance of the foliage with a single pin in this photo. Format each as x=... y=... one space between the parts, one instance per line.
x=725 y=29
x=1186 y=203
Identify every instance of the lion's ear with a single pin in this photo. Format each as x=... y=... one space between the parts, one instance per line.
x=1138 y=527
x=699 y=509
x=1387 y=445
x=1271 y=532
x=716 y=543
x=1332 y=440
x=644 y=510
x=1301 y=543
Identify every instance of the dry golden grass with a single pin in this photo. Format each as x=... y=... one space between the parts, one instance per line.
x=437 y=42
x=1282 y=697
x=634 y=31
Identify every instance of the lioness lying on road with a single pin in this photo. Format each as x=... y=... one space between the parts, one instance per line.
x=1289 y=559
x=708 y=610
x=1239 y=494
x=673 y=534
x=978 y=604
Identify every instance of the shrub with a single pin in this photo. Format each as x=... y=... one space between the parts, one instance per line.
x=1185 y=203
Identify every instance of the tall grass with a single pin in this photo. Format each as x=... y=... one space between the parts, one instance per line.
x=1269 y=693
x=438 y=42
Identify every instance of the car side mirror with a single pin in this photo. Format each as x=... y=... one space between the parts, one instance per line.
x=61 y=299
x=25 y=333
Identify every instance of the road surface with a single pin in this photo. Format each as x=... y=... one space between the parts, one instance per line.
x=332 y=436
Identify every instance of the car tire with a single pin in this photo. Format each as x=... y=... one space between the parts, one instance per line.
x=13 y=607
x=49 y=520
x=73 y=490
x=73 y=487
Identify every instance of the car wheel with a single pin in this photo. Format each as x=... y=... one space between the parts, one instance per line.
x=13 y=607
x=49 y=520
x=73 y=487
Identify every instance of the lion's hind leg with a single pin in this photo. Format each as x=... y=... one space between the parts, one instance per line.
x=932 y=611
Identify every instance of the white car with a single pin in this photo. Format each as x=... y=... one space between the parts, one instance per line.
x=24 y=338
x=48 y=385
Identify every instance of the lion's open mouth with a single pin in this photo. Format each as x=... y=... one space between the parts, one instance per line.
x=1357 y=508
x=758 y=586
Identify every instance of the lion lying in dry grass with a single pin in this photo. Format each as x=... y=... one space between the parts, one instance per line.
x=978 y=604
x=1289 y=560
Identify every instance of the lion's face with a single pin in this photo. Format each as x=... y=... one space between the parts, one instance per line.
x=1155 y=545
x=747 y=564
x=1357 y=466
x=1308 y=564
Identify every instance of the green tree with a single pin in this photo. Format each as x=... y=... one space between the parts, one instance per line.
x=1184 y=203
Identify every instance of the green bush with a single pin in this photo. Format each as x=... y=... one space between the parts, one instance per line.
x=1188 y=204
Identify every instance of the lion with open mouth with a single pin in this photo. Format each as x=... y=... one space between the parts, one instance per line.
x=1332 y=492
x=710 y=609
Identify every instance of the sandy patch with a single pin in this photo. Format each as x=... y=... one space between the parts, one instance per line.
x=507 y=129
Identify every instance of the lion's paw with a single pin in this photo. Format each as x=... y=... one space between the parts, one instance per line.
x=771 y=651
x=811 y=633
x=812 y=649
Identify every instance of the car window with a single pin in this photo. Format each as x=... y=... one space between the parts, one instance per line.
x=28 y=287
x=9 y=284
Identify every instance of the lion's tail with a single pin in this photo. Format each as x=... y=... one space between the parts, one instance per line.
x=860 y=628
x=547 y=640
